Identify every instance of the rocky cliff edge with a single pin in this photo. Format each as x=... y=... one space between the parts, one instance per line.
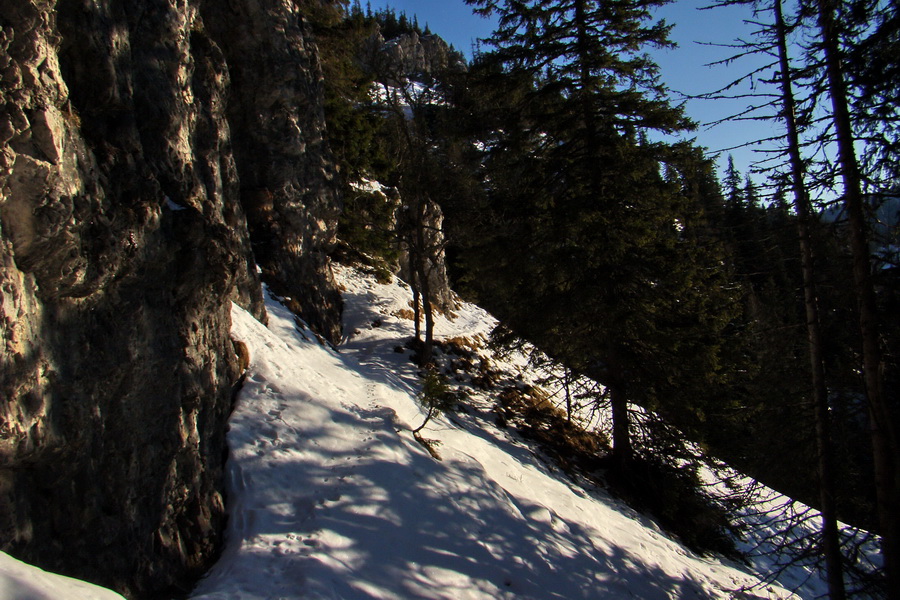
x=151 y=155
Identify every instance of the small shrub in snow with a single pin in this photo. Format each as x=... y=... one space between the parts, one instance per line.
x=487 y=377
x=529 y=409
x=405 y=313
x=436 y=397
x=383 y=273
x=463 y=345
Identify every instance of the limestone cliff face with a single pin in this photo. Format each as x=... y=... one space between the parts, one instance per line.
x=131 y=152
x=410 y=56
x=287 y=176
x=398 y=61
x=442 y=297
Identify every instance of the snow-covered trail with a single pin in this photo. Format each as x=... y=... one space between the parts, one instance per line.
x=332 y=498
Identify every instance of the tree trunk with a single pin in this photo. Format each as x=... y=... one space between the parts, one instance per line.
x=831 y=545
x=427 y=308
x=621 y=452
x=884 y=441
x=422 y=272
x=414 y=286
x=583 y=49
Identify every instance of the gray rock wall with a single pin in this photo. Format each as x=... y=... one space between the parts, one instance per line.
x=409 y=56
x=288 y=180
x=442 y=298
x=131 y=151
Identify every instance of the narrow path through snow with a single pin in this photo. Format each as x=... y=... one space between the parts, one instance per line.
x=332 y=498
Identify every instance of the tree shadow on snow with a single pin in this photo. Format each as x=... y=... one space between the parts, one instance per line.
x=348 y=506
x=384 y=519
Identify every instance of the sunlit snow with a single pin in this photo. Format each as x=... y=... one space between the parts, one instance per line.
x=333 y=498
x=19 y=581
x=330 y=496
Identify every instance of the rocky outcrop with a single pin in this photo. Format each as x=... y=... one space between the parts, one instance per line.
x=410 y=56
x=442 y=297
x=131 y=152
x=287 y=176
x=396 y=62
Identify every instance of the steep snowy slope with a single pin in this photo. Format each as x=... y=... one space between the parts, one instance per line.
x=20 y=581
x=333 y=498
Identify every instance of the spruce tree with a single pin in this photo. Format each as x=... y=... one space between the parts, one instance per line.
x=352 y=127
x=831 y=546
x=597 y=260
x=837 y=34
x=882 y=417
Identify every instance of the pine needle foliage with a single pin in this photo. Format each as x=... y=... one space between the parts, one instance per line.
x=590 y=238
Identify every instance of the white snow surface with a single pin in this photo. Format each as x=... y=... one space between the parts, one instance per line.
x=331 y=497
x=20 y=581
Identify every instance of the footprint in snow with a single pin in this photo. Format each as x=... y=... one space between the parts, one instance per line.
x=270 y=433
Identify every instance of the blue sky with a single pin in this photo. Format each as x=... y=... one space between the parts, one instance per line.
x=683 y=69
